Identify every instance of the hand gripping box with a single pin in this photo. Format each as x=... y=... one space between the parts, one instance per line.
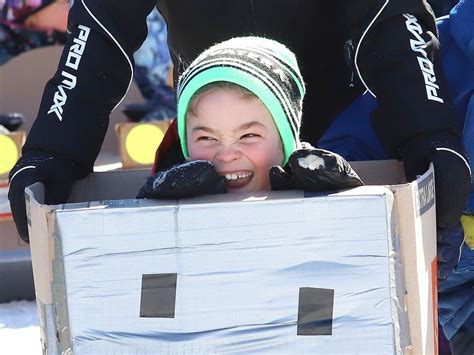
x=350 y=272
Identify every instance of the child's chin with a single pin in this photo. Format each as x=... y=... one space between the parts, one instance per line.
x=247 y=189
x=239 y=190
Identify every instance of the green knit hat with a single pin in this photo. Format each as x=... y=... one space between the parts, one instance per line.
x=265 y=67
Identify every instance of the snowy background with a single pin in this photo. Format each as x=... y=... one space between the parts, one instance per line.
x=19 y=329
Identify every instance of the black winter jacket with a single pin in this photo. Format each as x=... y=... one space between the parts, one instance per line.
x=343 y=48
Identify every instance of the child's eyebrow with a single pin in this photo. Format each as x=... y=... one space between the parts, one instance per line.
x=203 y=128
x=250 y=124
x=240 y=128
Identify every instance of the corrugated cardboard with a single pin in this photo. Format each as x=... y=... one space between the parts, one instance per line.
x=240 y=263
x=123 y=130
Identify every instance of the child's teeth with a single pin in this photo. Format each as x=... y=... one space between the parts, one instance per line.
x=237 y=176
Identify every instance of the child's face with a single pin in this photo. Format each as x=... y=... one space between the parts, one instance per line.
x=238 y=135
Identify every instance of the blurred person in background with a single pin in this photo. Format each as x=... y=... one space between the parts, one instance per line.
x=442 y=7
x=28 y=24
x=25 y=25
x=152 y=69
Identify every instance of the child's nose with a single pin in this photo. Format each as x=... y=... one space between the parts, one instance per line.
x=227 y=154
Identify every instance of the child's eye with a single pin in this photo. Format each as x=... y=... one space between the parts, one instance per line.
x=250 y=135
x=206 y=138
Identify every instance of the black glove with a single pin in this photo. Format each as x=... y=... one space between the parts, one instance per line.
x=452 y=173
x=452 y=182
x=193 y=178
x=314 y=169
x=449 y=242
x=58 y=175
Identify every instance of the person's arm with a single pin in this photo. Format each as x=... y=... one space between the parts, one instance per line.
x=400 y=63
x=397 y=58
x=93 y=76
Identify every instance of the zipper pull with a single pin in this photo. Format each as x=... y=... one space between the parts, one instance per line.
x=349 y=57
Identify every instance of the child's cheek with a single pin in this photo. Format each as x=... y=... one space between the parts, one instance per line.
x=265 y=182
x=194 y=151
x=263 y=162
x=200 y=152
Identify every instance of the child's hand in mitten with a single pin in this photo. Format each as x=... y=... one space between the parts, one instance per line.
x=314 y=169
x=190 y=179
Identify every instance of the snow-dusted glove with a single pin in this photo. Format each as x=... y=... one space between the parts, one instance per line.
x=313 y=169
x=56 y=173
x=449 y=243
x=193 y=178
x=452 y=172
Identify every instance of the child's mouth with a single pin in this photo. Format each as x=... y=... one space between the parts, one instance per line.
x=238 y=179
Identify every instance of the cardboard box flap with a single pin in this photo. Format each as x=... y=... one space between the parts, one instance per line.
x=110 y=185
x=418 y=242
x=289 y=196
x=380 y=172
x=116 y=185
x=232 y=199
x=41 y=245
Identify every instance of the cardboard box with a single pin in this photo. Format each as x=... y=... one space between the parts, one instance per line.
x=138 y=142
x=279 y=272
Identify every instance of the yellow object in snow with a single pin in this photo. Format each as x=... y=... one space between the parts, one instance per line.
x=142 y=141
x=468 y=226
x=8 y=153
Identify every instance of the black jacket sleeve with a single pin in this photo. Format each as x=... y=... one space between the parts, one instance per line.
x=398 y=59
x=93 y=76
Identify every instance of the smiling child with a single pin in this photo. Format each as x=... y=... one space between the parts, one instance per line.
x=239 y=117
x=239 y=107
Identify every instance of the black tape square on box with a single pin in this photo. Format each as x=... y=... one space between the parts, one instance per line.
x=158 y=295
x=315 y=311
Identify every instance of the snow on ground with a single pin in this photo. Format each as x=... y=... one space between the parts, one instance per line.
x=19 y=329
